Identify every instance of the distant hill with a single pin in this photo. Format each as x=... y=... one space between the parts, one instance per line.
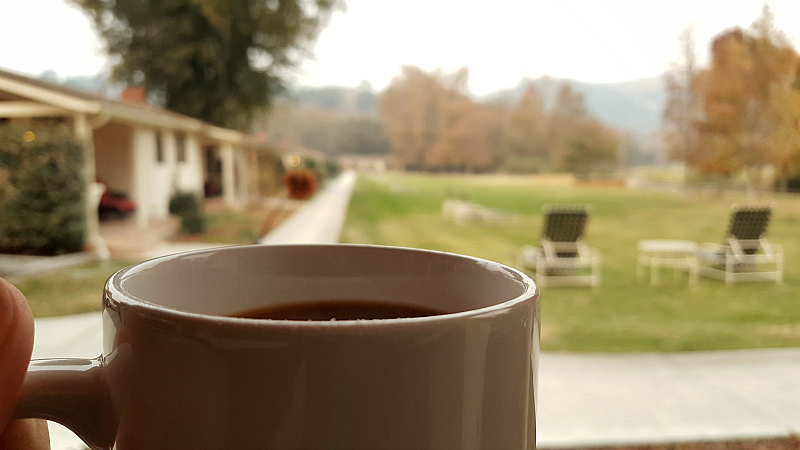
x=347 y=100
x=633 y=106
x=94 y=84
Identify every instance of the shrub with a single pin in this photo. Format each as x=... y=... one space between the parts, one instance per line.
x=186 y=205
x=300 y=184
x=332 y=168
x=41 y=190
x=316 y=167
x=193 y=222
x=183 y=202
x=526 y=165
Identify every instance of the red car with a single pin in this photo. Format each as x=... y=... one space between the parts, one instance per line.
x=114 y=205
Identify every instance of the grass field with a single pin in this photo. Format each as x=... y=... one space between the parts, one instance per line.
x=69 y=291
x=621 y=315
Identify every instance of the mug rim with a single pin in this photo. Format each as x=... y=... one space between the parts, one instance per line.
x=115 y=296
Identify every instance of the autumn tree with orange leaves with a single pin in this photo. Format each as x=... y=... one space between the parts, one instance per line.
x=433 y=124
x=741 y=113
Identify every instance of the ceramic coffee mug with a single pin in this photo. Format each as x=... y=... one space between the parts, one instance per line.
x=177 y=373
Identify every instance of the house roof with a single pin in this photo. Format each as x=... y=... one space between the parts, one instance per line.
x=71 y=100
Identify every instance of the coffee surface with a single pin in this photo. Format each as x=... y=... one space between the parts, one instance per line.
x=338 y=310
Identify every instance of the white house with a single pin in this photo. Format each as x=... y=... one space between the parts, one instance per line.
x=145 y=152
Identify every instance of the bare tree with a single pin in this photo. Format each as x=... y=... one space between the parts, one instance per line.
x=683 y=100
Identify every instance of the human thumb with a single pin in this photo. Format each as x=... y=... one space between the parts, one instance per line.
x=16 y=344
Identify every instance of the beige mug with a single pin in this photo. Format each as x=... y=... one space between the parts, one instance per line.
x=177 y=372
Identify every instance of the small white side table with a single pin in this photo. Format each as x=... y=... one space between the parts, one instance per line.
x=675 y=254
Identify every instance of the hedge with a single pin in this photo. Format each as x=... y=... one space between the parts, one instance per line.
x=41 y=190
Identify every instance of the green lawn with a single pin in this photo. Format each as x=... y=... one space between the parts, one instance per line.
x=621 y=315
x=69 y=291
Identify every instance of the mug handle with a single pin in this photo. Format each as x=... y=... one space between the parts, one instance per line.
x=72 y=392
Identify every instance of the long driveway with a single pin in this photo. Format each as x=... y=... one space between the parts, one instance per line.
x=584 y=399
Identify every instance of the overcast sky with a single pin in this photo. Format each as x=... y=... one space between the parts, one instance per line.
x=501 y=41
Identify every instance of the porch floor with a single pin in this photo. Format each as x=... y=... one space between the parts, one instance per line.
x=125 y=239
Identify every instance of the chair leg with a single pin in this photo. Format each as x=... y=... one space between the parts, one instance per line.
x=728 y=270
x=541 y=272
x=639 y=269
x=654 y=277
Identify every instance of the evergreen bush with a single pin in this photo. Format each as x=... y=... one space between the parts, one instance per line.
x=183 y=202
x=41 y=190
x=186 y=205
x=193 y=222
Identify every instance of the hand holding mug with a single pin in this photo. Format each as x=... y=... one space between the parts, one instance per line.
x=16 y=343
x=358 y=347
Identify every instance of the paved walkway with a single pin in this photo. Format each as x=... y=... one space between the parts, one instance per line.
x=321 y=219
x=601 y=399
x=584 y=399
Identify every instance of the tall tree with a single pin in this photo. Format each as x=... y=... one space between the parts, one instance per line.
x=417 y=107
x=217 y=60
x=568 y=110
x=526 y=126
x=683 y=101
x=778 y=96
x=591 y=145
x=728 y=87
x=470 y=143
x=785 y=138
x=751 y=108
x=432 y=124
x=570 y=104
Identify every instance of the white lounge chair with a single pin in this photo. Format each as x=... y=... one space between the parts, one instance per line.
x=563 y=258
x=744 y=255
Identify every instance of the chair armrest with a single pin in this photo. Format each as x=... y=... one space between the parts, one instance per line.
x=708 y=251
x=551 y=248
x=770 y=249
x=528 y=255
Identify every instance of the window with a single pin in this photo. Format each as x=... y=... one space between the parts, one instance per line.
x=180 y=145
x=159 y=147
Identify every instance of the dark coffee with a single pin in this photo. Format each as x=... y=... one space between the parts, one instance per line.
x=339 y=310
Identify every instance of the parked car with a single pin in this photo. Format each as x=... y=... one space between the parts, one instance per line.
x=114 y=204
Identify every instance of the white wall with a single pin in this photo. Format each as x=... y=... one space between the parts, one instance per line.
x=113 y=156
x=154 y=183
x=161 y=177
x=226 y=153
x=144 y=150
x=189 y=174
x=242 y=176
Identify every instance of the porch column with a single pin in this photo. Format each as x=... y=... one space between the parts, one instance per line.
x=83 y=132
x=142 y=147
x=253 y=175
x=228 y=163
x=244 y=175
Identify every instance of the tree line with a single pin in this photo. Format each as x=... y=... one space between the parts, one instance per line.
x=433 y=124
x=328 y=130
x=740 y=114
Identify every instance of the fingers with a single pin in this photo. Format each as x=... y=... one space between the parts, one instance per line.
x=28 y=434
x=16 y=344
